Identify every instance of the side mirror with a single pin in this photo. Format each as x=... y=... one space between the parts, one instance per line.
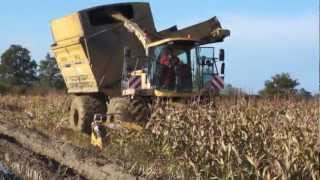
x=223 y=66
x=221 y=55
x=127 y=52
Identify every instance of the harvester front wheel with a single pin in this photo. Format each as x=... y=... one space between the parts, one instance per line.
x=140 y=108
x=83 y=109
x=126 y=109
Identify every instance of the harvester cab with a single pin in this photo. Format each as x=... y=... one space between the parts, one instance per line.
x=167 y=68
x=174 y=67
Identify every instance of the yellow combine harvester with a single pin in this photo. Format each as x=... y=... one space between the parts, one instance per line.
x=113 y=56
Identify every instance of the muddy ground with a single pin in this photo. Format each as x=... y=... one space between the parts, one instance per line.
x=25 y=164
x=33 y=155
x=34 y=148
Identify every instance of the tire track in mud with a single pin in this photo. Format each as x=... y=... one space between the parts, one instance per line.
x=21 y=163
x=84 y=162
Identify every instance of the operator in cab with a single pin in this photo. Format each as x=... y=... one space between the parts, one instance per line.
x=174 y=73
x=167 y=73
x=181 y=71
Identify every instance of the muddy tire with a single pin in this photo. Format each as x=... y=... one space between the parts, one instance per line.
x=83 y=109
x=140 y=109
x=126 y=109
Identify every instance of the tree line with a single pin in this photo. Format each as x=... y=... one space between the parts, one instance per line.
x=280 y=85
x=20 y=74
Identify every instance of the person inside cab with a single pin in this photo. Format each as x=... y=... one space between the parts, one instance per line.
x=167 y=74
x=173 y=72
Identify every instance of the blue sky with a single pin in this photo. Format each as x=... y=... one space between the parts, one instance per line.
x=268 y=37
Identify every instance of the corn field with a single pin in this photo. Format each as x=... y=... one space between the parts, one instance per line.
x=236 y=138
x=255 y=139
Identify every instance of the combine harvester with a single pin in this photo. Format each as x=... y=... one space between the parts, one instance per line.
x=115 y=62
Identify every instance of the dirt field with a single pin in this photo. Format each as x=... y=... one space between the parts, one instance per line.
x=238 y=137
x=29 y=165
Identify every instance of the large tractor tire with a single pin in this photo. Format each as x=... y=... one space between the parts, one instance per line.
x=83 y=108
x=140 y=109
x=132 y=110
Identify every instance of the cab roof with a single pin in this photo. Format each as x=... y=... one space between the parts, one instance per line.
x=166 y=40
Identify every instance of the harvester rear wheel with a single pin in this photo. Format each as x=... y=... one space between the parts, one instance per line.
x=83 y=109
x=126 y=109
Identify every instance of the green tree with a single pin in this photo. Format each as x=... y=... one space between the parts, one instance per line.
x=280 y=85
x=17 y=67
x=49 y=74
